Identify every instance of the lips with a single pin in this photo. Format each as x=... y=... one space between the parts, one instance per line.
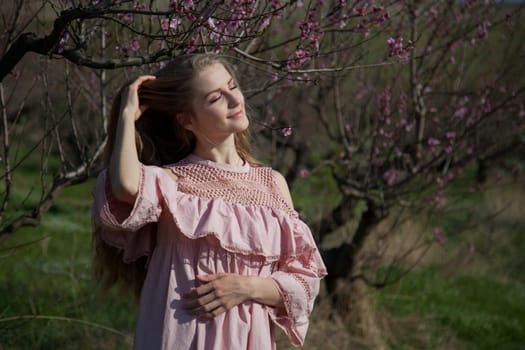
x=236 y=114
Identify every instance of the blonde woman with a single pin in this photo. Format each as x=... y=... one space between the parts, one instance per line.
x=207 y=236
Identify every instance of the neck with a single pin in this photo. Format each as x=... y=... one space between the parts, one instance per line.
x=219 y=152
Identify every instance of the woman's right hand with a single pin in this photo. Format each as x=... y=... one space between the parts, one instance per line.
x=129 y=101
x=124 y=164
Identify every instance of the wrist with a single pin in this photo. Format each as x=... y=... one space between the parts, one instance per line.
x=127 y=114
x=252 y=290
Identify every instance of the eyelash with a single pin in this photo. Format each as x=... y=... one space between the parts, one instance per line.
x=233 y=87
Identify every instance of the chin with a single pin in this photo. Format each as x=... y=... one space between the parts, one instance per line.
x=242 y=125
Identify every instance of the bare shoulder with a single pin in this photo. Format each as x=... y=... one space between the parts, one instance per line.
x=283 y=186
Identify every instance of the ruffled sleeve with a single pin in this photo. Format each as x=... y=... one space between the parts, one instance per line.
x=298 y=278
x=130 y=227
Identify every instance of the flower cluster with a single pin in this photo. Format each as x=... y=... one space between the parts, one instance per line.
x=398 y=49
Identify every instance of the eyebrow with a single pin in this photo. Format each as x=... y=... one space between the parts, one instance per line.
x=218 y=89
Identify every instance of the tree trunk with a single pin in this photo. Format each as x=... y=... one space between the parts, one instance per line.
x=348 y=289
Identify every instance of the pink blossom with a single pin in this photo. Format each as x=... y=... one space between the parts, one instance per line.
x=392 y=176
x=188 y=4
x=402 y=103
x=471 y=248
x=192 y=45
x=134 y=44
x=15 y=74
x=395 y=46
x=487 y=106
x=438 y=235
x=266 y=21
x=433 y=142
x=438 y=199
x=364 y=89
x=384 y=99
x=165 y=24
x=343 y=22
x=286 y=131
x=300 y=53
x=191 y=17
x=128 y=17
x=304 y=173
x=456 y=45
x=483 y=31
x=460 y=112
x=62 y=42
x=360 y=10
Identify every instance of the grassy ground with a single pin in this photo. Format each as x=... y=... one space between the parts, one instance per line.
x=47 y=296
x=468 y=293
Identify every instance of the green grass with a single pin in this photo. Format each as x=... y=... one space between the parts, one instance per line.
x=476 y=298
x=48 y=298
x=482 y=312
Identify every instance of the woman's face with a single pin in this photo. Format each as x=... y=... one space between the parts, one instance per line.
x=218 y=105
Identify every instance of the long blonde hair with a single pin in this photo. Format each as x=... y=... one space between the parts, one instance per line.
x=160 y=140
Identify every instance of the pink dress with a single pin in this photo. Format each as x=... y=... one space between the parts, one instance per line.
x=213 y=218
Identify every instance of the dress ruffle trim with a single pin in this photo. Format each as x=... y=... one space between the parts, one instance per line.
x=239 y=229
x=247 y=230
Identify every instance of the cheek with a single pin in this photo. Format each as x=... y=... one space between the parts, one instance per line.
x=211 y=113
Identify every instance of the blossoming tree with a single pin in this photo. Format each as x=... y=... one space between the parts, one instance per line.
x=390 y=100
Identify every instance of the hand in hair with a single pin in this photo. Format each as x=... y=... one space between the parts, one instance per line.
x=124 y=164
x=129 y=102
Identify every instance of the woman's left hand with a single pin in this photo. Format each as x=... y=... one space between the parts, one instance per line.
x=220 y=293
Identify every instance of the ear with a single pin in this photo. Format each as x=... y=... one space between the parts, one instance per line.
x=184 y=119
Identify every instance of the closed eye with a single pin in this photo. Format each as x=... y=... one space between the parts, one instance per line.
x=215 y=99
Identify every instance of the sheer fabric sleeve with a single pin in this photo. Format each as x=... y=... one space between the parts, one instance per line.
x=298 y=279
x=130 y=227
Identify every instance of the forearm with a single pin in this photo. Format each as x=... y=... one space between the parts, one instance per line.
x=264 y=290
x=124 y=165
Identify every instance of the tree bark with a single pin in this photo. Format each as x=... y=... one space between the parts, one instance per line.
x=345 y=284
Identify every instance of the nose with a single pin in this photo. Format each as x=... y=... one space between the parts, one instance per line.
x=234 y=99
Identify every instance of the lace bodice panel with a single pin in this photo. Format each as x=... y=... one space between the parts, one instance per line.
x=255 y=186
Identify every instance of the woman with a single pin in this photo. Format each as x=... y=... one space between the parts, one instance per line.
x=226 y=255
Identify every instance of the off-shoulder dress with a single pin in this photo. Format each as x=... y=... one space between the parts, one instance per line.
x=212 y=218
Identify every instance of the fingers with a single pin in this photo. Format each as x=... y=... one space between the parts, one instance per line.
x=207 y=301
x=195 y=303
x=199 y=291
x=211 y=277
x=137 y=82
x=130 y=99
x=207 y=306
